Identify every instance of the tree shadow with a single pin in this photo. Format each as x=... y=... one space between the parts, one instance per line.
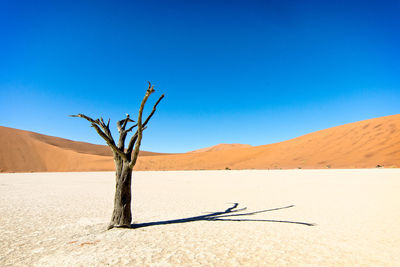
x=225 y=215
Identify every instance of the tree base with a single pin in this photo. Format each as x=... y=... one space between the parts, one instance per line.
x=111 y=226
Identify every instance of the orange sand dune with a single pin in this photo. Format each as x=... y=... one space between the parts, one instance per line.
x=23 y=151
x=220 y=147
x=363 y=144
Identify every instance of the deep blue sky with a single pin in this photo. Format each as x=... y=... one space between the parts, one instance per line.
x=253 y=72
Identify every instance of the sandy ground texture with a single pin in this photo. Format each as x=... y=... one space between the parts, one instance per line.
x=59 y=219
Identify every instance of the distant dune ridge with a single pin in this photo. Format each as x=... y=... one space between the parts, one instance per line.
x=24 y=151
x=363 y=144
x=220 y=147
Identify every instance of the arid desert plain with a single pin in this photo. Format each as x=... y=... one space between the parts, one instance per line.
x=197 y=218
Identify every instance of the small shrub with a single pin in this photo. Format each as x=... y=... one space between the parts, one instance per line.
x=379 y=166
x=227 y=168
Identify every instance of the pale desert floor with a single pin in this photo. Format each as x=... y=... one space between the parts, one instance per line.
x=59 y=219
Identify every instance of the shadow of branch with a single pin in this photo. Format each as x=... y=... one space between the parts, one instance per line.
x=221 y=216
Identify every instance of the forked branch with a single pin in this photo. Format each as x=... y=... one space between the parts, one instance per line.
x=121 y=125
x=134 y=138
x=104 y=131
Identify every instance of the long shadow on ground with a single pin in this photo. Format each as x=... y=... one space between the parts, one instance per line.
x=225 y=215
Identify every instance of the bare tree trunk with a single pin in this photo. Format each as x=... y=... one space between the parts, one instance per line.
x=125 y=159
x=122 y=215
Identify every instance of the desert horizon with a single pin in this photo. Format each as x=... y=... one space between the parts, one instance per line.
x=363 y=144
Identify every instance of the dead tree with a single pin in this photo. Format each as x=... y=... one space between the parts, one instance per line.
x=124 y=158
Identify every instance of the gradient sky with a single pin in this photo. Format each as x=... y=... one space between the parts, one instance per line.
x=253 y=72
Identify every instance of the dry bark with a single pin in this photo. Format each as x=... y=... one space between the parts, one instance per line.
x=124 y=160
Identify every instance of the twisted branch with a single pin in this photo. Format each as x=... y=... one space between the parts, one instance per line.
x=104 y=131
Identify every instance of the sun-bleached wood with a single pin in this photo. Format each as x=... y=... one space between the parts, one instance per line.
x=124 y=160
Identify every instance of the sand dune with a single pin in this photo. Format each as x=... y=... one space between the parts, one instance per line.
x=23 y=151
x=363 y=144
x=220 y=147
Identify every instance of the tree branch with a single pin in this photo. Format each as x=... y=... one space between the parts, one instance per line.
x=135 y=136
x=137 y=141
x=121 y=125
x=103 y=130
x=126 y=121
x=154 y=110
x=131 y=128
x=105 y=134
x=106 y=128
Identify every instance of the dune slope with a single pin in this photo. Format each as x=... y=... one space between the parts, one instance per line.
x=220 y=147
x=24 y=151
x=363 y=144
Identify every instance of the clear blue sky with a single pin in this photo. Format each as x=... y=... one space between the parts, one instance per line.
x=253 y=72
